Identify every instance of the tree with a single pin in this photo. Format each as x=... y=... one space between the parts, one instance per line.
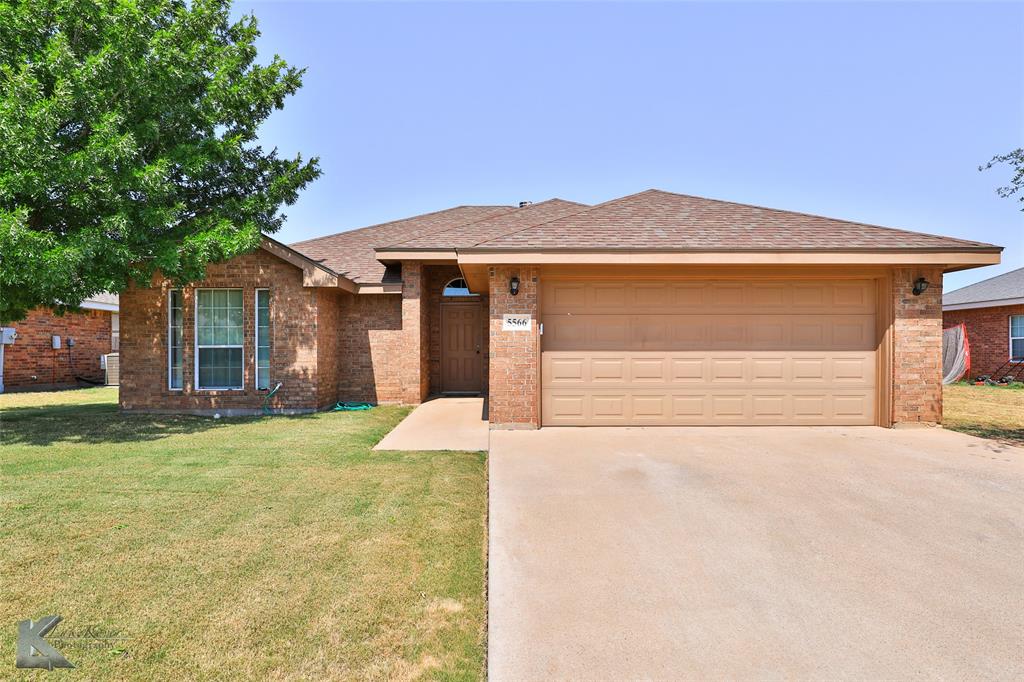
x=128 y=145
x=1016 y=160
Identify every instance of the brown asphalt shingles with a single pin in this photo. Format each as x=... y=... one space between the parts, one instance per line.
x=472 y=234
x=351 y=254
x=657 y=220
x=653 y=220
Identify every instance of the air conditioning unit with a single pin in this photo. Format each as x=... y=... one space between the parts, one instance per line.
x=112 y=363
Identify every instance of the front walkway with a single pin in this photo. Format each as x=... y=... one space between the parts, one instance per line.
x=441 y=424
x=754 y=553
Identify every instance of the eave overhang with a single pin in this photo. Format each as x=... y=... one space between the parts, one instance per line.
x=429 y=255
x=950 y=259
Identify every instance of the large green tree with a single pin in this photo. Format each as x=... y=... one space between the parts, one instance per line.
x=128 y=144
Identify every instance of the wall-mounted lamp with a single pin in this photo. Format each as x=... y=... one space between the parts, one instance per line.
x=920 y=286
x=513 y=286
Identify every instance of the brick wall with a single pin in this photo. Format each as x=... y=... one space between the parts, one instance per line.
x=293 y=353
x=917 y=351
x=515 y=356
x=412 y=359
x=328 y=348
x=437 y=277
x=988 y=333
x=32 y=363
x=370 y=341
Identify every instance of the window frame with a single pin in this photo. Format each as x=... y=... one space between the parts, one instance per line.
x=170 y=338
x=195 y=340
x=468 y=294
x=256 y=345
x=1012 y=338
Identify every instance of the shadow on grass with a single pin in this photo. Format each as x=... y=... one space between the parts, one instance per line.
x=100 y=423
x=1007 y=436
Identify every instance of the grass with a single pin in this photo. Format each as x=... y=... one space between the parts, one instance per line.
x=278 y=548
x=995 y=412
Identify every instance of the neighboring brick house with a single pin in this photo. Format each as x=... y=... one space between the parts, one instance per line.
x=656 y=308
x=32 y=362
x=993 y=312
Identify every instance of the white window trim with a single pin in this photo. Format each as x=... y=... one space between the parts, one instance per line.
x=1009 y=331
x=170 y=336
x=256 y=331
x=195 y=341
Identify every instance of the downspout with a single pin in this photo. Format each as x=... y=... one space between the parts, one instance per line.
x=1 y=365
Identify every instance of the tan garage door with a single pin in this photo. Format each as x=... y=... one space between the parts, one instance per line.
x=685 y=352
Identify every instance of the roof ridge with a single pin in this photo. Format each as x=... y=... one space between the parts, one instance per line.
x=588 y=209
x=474 y=222
x=822 y=217
x=401 y=220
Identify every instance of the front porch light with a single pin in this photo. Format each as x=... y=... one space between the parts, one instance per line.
x=513 y=286
x=920 y=286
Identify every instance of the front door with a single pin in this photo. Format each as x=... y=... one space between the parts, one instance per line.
x=461 y=354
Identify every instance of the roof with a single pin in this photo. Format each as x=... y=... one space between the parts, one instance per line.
x=102 y=301
x=491 y=227
x=1004 y=289
x=658 y=220
x=351 y=254
x=650 y=221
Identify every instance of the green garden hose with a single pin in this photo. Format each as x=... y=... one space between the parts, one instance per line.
x=266 y=400
x=351 y=407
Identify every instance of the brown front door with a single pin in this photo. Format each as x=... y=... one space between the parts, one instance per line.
x=461 y=354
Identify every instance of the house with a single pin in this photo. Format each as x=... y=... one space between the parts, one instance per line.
x=61 y=351
x=655 y=308
x=993 y=312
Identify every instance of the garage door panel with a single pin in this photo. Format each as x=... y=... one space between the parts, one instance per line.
x=664 y=352
x=753 y=369
x=677 y=297
x=687 y=370
x=583 y=331
x=713 y=407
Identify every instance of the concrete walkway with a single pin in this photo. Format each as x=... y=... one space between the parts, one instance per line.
x=755 y=553
x=441 y=424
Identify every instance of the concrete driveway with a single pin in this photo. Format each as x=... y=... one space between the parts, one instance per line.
x=854 y=553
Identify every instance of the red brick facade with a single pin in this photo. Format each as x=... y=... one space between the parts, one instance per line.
x=31 y=363
x=917 y=348
x=988 y=332
x=330 y=345
x=327 y=345
x=514 y=396
x=294 y=317
x=371 y=341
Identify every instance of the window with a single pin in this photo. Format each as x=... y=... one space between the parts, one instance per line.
x=262 y=338
x=115 y=332
x=174 y=347
x=219 y=334
x=456 y=287
x=1016 y=337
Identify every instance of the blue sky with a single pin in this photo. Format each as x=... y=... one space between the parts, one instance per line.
x=873 y=112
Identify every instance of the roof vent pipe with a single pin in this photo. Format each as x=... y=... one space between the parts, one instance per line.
x=524 y=204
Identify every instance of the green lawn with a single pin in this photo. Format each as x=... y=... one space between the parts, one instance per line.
x=995 y=412
x=274 y=548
